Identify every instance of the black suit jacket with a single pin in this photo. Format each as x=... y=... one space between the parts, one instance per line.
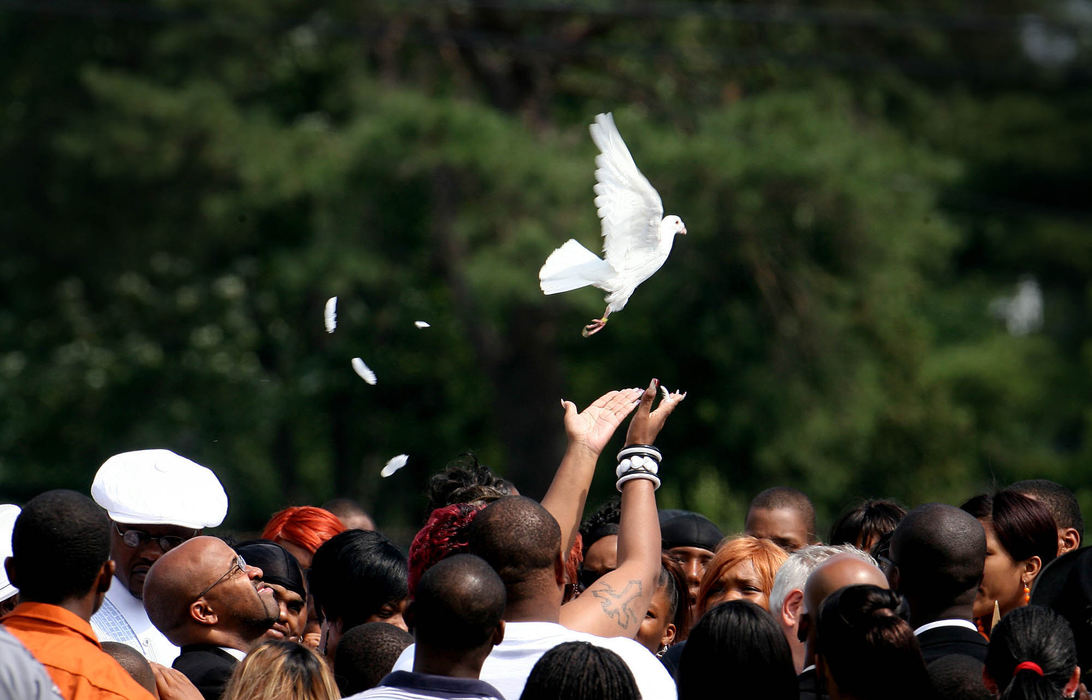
x=207 y=666
x=944 y=641
x=808 y=682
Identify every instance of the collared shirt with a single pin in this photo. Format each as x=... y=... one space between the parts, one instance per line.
x=408 y=685
x=64 y=643
x=122 y=618
x=21 y=676
x=954 y=622
x=511 y=661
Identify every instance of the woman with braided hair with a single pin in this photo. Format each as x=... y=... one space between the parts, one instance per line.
x=579 y=670
x=1032 y=656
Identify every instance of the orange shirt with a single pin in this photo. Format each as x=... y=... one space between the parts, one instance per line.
x=64 y=643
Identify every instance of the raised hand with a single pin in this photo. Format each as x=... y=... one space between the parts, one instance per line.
x=593 y=427
x=647 y=424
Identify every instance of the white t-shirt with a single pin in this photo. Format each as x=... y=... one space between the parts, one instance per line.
x=511 y=661
x=122 y=618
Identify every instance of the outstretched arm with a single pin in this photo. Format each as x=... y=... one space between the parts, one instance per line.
x=615 y=605
x=588 y=432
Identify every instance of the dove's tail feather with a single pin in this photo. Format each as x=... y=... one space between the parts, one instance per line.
x=572 y=266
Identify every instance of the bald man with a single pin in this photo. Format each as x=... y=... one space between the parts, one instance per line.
x=204 y=597
x=836 y=572
x=938 y=552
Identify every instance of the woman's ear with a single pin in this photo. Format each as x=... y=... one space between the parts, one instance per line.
x=1032 y=566
x=668 y=637
x=1074 y=680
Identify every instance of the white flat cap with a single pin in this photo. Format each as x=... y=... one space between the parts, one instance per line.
x=159 y=487
x=8 y=514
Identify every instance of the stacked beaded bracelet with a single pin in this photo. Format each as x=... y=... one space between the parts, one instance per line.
x=638 y=462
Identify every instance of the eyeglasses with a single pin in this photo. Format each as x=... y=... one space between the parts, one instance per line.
x=238 y=565
x=137 y=538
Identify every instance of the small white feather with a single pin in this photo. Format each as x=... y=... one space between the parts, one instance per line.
x=363 y=370
x=330 y=315
x=664 y=391
x=422 y=324
x=394 y=465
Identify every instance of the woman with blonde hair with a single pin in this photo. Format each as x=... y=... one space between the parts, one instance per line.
x=282 y=671
x=743 y=568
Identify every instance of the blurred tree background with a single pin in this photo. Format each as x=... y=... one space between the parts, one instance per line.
x=877 y=196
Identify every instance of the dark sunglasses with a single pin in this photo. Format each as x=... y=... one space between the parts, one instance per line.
x=137 y=538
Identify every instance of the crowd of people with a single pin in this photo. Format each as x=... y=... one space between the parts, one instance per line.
x=119 y=594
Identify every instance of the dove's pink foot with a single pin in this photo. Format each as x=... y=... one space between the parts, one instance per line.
x=594 y=327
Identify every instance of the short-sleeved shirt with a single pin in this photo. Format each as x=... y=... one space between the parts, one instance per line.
x=511 y=661
x=21 y=676
x=407 y=685
x=65 y=645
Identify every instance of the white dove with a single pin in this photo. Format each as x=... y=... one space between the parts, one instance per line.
x=637 y=237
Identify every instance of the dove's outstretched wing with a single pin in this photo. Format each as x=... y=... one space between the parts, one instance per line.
x=629 y=207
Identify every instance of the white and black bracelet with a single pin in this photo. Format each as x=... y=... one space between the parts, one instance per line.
x=638 y=462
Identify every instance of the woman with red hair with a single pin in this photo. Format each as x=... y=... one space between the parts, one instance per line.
x=302 y=530
x=742 y=569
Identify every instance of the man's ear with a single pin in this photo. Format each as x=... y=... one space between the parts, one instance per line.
x=498 y=634
x=791 y=607
x=894 y=578
x=559 y=569
x=9 y=568
x=106 y=575
x=1068 y=540
x=202 y=613
x=989 y=682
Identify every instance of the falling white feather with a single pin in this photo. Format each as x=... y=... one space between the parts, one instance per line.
x=364 y=371
x=637 y=238
x=330 y=314
x=422 y=324
x=664 y=391
x=394 y=465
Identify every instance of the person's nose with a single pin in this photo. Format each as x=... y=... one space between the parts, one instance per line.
x=253 y=572
x=693 y=571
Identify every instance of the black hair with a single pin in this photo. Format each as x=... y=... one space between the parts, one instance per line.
x=1034 y=634
x=465 y=480
x=133 y=662
x=864 y=644
x=517 y=537
x=866 y=522
x=1059 y=500
x=578 y=670
x=458 y=604
x=787 y=498
x=355 y=574
x=604 y=521
x=737 y=645
x=958 y=677
x=939 y=550
x=366 y=653
x=59 y=528
x=1024 y=526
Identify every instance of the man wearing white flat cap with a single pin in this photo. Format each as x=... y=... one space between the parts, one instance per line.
x=157 y=500
x=8 y=514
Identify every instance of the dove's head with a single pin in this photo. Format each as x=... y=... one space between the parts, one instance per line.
x=672 y=225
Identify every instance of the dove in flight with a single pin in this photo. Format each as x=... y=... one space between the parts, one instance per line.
x=637 y=237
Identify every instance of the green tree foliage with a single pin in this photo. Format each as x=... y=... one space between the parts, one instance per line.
x=187 y=182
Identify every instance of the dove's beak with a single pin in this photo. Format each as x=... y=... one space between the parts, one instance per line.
x=683 y=230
